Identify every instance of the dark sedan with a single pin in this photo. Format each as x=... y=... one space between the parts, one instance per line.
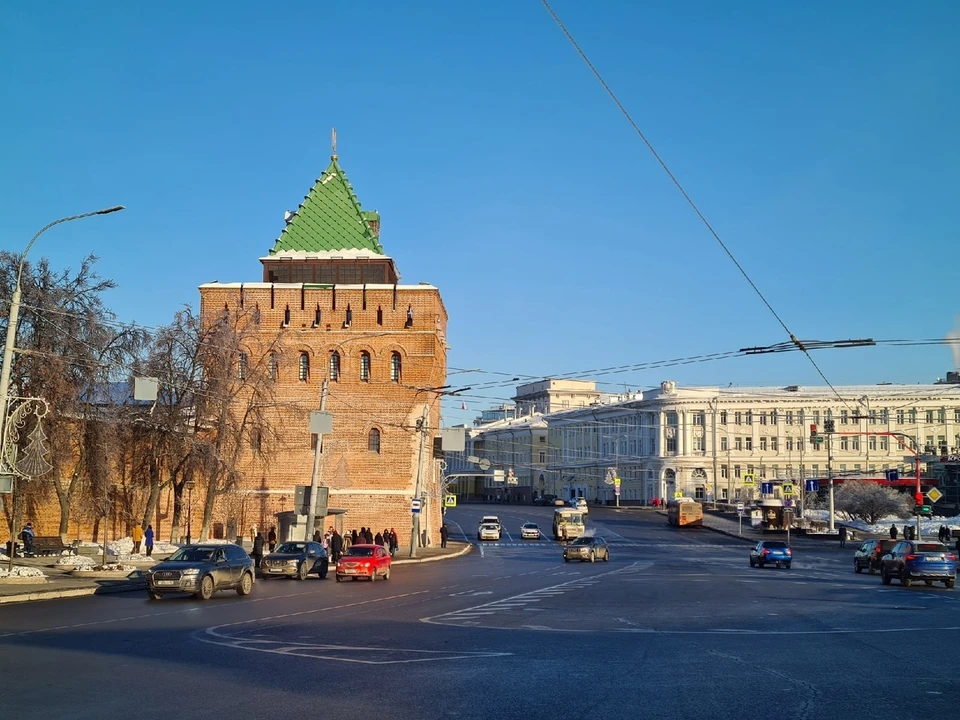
x=869 y=555
x=916 y=560
x=586 y=548
x=296 y=559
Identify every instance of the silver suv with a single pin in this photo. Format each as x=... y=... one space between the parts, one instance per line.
x=202 y=570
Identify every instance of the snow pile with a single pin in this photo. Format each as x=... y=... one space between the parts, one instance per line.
x=928 y=526
x=77 y=561
x=124 y=547
x=21 y=571
x=4 y=557
x=112 y=567
x=131 y=558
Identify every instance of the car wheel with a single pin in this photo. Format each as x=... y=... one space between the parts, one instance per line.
x=857 y=568
x=904 y=580
x=373 y=575
x=949 y=583
x=302 y=571
x=787 y=566
x=566 y=559
x=593 y=557
x=206 y=588
x=324 y=570
x=339 y=578
x=929 y=583
x=760 y=562
x=386 y=575
x=872 y=570
x=606 y=556
x=884 y=577
x=246 y=585
x=752 y=563
x=778 y=564
x=155 y=595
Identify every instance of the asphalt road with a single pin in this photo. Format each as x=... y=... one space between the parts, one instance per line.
x=676 y=625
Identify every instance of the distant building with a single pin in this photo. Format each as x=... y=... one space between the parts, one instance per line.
x=551 y=395
x=504 y=412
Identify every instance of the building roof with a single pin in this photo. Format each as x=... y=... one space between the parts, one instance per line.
x=330 y=218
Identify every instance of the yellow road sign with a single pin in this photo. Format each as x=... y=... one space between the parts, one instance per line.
x=450 y=501
x=787 y=490
x=678 y=494
x=748 y=479
x=616 y=482
x=934 y=494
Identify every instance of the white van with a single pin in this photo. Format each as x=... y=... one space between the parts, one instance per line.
x=580 y=504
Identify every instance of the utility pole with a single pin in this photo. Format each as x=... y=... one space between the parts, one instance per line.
x=830 y=478
x=315 y=476
x=415 y=524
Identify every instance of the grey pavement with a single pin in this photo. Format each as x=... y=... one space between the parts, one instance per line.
x=676 y=625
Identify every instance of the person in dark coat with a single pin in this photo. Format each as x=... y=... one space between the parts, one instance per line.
x=257 y=552
x=843 y=536
x=893 y=532
x=336 y=546
x=394 y=542
x=354 y=537
x=317 y=537
x=148 y=540
x=369 y=537
x=272 y=538
x=378 y=539
x=443 y=535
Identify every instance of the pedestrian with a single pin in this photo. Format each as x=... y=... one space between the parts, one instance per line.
x=316 y=536
x=336 y=546
x=137 y=536
x=272 y=538
x=893 y=532
x=394 y=542
x=148 y=540
x=354 y=537
x=843 y=536
x=257 y=552
x=386 y=538
x=443 y=535
x=369 y=536
x=27 y=535
x=378 y=540
x=253 y=531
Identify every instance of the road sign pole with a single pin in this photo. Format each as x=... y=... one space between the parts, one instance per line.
x=740 y=518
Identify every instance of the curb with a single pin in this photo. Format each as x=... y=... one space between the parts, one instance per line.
x=460 y=553
x=48 y=595
x=728 y=533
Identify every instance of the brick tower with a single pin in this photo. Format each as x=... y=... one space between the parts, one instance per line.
x=331 y=308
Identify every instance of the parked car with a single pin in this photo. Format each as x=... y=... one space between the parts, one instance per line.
x=202 y=570
x=296 y=560
x=488 y=531
x=559 y=502
x=870 y=554
x=767 y=552
x=911 y=560
x=586 y=548
x=545 y=500
x=530 y=531
x=369 y=561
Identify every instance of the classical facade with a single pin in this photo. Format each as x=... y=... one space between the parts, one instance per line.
x=703 y=441
x=553 y=394
x=330 y=299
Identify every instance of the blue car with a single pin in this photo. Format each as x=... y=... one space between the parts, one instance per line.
x=771 y=552
x=911 y=560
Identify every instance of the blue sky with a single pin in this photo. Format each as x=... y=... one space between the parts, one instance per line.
x=818 y=138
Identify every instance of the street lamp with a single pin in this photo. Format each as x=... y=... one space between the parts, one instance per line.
x=11 y=341
x=616 y=463
x=188 y=486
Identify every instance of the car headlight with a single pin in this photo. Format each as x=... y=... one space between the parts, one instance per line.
x=291 y=562
x=190 y=572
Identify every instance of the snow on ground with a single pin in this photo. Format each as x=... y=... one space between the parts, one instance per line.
x=4 y=557
x=77 y=561
x=109 y=567
x=124 y=546
x=928 y=526
x=130 y=558
x=22 y=572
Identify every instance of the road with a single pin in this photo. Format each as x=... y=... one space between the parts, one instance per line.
x=676 y=625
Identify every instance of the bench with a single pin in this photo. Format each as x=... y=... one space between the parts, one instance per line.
x=51 y=545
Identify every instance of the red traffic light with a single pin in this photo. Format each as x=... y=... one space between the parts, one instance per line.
x=918 y=497
x=813 y=429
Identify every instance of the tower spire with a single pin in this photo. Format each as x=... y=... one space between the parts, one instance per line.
x=333 y=143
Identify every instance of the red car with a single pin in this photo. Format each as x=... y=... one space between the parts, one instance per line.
x=366 y=561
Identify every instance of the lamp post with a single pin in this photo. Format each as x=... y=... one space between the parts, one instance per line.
x=616 y=464
x=188 y=486
x=11 y=340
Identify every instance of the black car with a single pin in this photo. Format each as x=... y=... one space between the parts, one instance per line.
x=202 y=570
x=869 y=555
x=546 y=500
x=296 y=559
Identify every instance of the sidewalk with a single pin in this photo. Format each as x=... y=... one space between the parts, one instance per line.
x=728 y=524
x=433 y=553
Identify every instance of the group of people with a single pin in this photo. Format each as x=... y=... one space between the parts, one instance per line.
x=386 y=538
x=944 y=533
x=259 y=542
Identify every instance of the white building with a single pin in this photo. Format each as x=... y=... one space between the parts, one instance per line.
x=702 y=441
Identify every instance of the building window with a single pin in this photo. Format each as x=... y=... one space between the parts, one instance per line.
x=873 y=417
x=671 y=445
x=900 y=417
x=256 y=439
x=723 y=443
x=738 y=418
x=272 y=366
x=737 y=473
x=749 y=442
x=855 y=444
x=242 y=366
x=349 y=320
x=884 y=443
x=542 y=457
x=699 y=444
x=699 y=418
x=724 y=471
x=789 y=444
x=304 y=368
x=738 y=443
x=815 y=469
x=929 y=417
x=395 y=367
x=956 y=416
x=698 y=493
x=843 y=467
x=748 y=417
x=844 y=417
x=774 y=417
x=912 y=416
x=816 y=417
x=773 y=443
x=409 y=323
x=723 y=417
x=763 y=442
x=941 y=416
x=942 y=444
x=800 y=418
x=788 y=417
x=872 y=442
x=373 y=440
x=672 y=419
x=365 y=366
x=763 y=418
x=844 y=443
x=334 y=366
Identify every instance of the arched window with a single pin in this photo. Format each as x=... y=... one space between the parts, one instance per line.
x=304 y=367
x=365 y=366
x=272 y=366
x=395 y=367
x=334 y=366
x=373 y=441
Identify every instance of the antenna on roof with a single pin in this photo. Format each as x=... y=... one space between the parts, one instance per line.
x=333 y=143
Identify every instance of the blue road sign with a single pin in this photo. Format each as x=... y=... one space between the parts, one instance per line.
x=892 y=475
x=812 y=486
x=766 y=488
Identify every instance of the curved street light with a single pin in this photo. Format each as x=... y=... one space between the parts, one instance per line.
x=12 y=323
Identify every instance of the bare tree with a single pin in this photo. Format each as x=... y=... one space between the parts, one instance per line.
x=870 y=502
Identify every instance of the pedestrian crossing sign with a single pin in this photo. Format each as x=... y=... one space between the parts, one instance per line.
x=450 y=501
x=788 y=490
x=678 y=494
x=748 y=479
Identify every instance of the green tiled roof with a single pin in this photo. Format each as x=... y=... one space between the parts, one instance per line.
x=330 y=218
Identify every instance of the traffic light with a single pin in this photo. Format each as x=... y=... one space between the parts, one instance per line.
x=918 y=498
x=813 y=434
x=829 y=426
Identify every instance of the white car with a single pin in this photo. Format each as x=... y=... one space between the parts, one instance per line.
x=580 y=504
x=488 y=531
x=530 y=531
x=490 y=520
